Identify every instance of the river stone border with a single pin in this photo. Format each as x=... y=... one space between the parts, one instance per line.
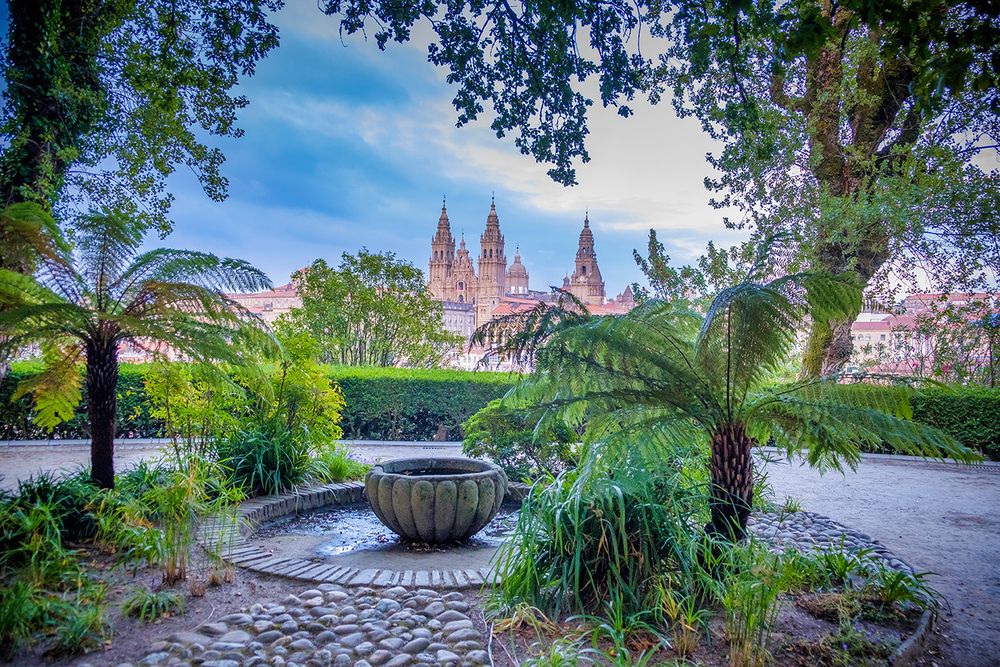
x=252 y=513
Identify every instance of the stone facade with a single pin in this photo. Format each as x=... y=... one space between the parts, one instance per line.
x=452 y=278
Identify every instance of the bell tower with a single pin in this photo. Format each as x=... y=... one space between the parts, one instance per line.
x=442 y=258
x=492 y=268
x=587 y=284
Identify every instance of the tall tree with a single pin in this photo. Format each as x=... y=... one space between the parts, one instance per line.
x=106 y=98
x=853 y=126
x=82 y=307
x=373 y=310
x=647 y=384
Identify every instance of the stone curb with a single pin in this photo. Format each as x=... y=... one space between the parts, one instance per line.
x=252 y=513
x=916 y=644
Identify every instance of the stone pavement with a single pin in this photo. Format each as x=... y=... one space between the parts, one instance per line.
x=332 y=625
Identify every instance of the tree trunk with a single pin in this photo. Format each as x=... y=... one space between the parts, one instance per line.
x=731 y=467
x=102 y=404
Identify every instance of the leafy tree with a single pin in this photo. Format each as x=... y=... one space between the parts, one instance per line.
x=82 y=307
x=852 y=126
x=105 y=98
x=715 y=269
x=649 y=383
x=374 y=310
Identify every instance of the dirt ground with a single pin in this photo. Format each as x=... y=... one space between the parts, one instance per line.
x=940 y=518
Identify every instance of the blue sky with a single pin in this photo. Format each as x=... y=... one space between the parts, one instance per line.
x=347 y=146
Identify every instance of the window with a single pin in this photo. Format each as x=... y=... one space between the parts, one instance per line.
x=461 y=298
x=583 y=269
x=881 y=336
x=461 y=285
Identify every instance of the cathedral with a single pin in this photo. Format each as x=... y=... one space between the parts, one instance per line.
x=454 y=280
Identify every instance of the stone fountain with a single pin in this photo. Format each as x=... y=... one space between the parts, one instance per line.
x=436 y=500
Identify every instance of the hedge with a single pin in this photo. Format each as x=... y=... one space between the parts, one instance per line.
x=382 y=403
x=970 y=415
x=408 y=404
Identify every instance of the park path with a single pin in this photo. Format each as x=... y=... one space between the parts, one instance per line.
x=939 y=517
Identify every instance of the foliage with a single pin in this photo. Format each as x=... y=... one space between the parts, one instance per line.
x=414 y=404
x=82 y=307
x=380 y=403
x=373 y=310
x=69 y=499
x=509 y=439
x=96 y=116
x=853 y=126
x=661 y=377
x=576 y=546
x=147 y=605
x=971 y=416
x=44 y=593
x=265 y=459
x=335 y=463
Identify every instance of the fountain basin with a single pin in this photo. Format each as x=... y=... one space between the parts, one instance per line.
x=435 y=500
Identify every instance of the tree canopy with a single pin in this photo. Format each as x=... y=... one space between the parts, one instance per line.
x=853 y=127
x=106 y=98
x=373 y=310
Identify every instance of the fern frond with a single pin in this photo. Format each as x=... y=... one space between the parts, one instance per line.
x=56 y=389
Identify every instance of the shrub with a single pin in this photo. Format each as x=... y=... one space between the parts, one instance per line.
x=265 y=459
x=68 y=498
x=409 y=404
x=381 y=403
x=334 y=463
x=970 y=415
x=148 y=606
x=509 y=439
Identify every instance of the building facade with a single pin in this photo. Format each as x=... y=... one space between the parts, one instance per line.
x=489 y=286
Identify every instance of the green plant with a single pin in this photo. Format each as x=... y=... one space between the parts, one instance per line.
x=83 y=626
x=265 y=459
x=83 y=306
x=624 y=638
x=661 y=377
x=18 y=614
x=749 y=593
x=682 y=611
x=67 y=497
x=902 y=589
x=188 y=496
x=510 y=440
x=843 y=565
x=334 y=463
x=581 y=541
x=970 y=415
x=147 y=605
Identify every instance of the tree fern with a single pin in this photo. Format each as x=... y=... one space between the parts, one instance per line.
x=82 y=306
x=654 y=383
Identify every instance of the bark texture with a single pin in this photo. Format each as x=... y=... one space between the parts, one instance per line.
x=102 y=405
x=731 y=468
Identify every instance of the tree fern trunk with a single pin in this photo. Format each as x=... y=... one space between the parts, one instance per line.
x=102 y=403
x=731 y=467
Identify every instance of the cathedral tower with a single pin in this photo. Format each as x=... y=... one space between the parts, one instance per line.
x=517 y=276
x=464 y=276
x=586 y=283
x=440 y=282
x=492 y=268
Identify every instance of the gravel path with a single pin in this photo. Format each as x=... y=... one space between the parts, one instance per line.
x=938 y=517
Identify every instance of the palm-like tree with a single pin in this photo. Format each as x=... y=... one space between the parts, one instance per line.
x=650 y=383
x=82 y=306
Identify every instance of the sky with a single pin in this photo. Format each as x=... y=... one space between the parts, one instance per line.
x=346 y=147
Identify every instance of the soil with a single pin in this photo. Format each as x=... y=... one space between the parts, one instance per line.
x=799 y=639
x=130 y=638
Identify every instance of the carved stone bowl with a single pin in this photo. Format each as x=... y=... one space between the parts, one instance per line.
x=435 y=500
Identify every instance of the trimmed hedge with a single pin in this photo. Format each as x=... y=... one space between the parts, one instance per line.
x=410 y=404
x=382 y=403
x=970 y=415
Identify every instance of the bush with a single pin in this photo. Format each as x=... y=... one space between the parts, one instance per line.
x=265 y=459
x=334 y=463
x=509 y=440
x=408 y=404
x=970 y=415
x=381 y=403
x=134 y=419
